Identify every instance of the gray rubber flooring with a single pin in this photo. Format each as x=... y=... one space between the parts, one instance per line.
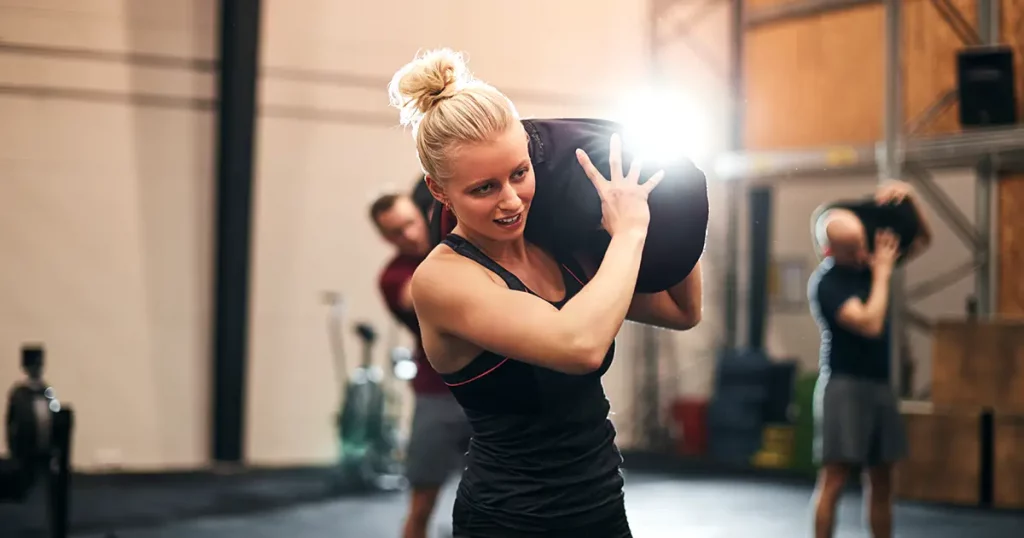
x=698 y=507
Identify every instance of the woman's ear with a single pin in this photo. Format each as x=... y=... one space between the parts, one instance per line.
x=435 y=189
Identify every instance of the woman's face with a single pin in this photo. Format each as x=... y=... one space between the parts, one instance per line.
x=492 y=184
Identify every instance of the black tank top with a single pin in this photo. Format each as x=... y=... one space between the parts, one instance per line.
x=543 y=455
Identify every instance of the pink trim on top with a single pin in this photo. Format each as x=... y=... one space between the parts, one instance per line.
x=573 y=275
x=495 y=367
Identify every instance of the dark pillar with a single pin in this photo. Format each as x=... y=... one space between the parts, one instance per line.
x=760 y=257
x=239 y=46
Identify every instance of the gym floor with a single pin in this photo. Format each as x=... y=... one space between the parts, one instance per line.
x=298 y=505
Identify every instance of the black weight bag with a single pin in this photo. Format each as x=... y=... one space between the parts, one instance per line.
x=565 y=216
x=901 y=218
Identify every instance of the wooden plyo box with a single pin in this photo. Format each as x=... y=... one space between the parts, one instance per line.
x=943 y=462
x=1008 y=461
x=979 y=364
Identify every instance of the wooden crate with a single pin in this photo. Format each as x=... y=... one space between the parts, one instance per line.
x=979 y=364
x=1008 y=464
x=944 y=459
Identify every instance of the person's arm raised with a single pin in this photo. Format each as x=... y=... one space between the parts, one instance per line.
x=868 y=318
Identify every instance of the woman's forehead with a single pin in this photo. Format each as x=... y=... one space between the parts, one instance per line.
x=495 y=158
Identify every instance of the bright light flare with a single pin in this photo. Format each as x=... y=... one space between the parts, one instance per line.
x=662 y=126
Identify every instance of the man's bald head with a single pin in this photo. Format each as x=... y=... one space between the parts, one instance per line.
x=843 y=228
x=841 y=235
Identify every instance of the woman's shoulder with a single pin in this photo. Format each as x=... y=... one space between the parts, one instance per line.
x=444 y=271
x=440 y=260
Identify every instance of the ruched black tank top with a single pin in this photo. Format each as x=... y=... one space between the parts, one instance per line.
x=542 y=460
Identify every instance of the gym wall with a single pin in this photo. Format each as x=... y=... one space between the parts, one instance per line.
x=317 y=171
x=107 y=160
x=106 y=181
x=834 y=92
x=1010 y=221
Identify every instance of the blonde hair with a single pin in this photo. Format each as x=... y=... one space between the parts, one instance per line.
x=447 y=108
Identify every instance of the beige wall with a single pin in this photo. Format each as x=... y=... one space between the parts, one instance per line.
x=105 y=208
x=107 y=204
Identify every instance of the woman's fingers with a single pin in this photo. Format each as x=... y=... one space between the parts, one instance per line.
x=615 y=157
x=653 y=181
x=600 y=183
x=634 y=171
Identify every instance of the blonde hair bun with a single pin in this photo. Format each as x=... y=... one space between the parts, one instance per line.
x=429 y=79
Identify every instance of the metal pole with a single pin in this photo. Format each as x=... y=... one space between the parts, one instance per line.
x=734 y=186
x=794 y=9
x=988 y=31
x=891 y=168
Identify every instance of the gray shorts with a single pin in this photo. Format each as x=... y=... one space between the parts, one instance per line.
x=857 y=422
x=439 y=440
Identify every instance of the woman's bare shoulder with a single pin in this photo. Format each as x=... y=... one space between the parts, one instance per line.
x=446 y=275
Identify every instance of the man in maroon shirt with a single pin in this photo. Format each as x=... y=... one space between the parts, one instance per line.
x=440 y=431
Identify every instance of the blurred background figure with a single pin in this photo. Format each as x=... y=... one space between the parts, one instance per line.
x=439 y=432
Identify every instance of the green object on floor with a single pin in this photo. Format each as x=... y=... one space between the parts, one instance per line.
x=803 y=442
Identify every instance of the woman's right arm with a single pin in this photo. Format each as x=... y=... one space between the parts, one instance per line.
x=460 y=299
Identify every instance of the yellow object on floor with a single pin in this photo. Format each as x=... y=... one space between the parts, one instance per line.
x=776 y=447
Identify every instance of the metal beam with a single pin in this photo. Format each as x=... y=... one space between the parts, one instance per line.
x=893 y=124
x=946 y=208
x=932 y=113
x=988 y=32
x=733 y=194
x=934 y=285
x=681 y=28
x=797 y=9
x=943 y=151
x=892 y=168
x=917 y=320
x=989 y=17
x=955 y=19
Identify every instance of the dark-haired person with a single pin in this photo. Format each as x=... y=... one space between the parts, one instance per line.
x=440 y=431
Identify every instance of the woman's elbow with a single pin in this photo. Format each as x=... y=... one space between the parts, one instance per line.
x=689 y=317
x=586 y=354
x=688 y=320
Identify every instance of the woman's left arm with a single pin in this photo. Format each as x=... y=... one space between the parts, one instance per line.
x=679 y=308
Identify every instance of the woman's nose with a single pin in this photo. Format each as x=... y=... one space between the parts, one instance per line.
x=509 y=198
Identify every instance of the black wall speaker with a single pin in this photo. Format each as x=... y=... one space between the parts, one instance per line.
x=985 y=85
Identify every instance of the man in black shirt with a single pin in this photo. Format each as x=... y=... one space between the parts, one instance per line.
x=857 y=419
